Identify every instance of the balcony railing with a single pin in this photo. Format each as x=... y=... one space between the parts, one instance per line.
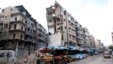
x=17 y=30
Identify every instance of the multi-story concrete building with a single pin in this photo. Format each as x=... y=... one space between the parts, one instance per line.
x=19 y=31
x=61 y=26
x=99 y=45
x=79 y=34
x=92 y=41
x=86 y=40
x=42 y=36
x=65 y=30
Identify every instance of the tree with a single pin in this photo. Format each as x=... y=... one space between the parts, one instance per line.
x=111 y=47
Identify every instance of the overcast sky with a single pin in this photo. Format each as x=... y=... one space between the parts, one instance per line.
x=96 y=15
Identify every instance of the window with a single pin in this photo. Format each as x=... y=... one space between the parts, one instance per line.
x=21 y=27
x=14 y=35
x=62 y=37
x=65 y=27
x=21 y=36
x=58 y=19
x=9 y=27
x=64 y=12
x=26 y=21
x=15 y=26
x=12 y=15
x=28 y=29
x=15 y=18
x=25 y=29
x=5 y=26
x=59 y=28
x=11 y=9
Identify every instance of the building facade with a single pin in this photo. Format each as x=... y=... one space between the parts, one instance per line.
x=65 y=30
x=92 y=41
x=61 y=26
x=19 y=31
x=42 y=36
x=79 y=34
x=99 y=45
x=86 y=40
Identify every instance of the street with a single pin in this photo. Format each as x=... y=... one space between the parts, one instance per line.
x=98 y=59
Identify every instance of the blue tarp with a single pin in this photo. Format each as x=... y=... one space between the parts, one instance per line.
x=73 y=48
x=64 y=48
x=58 y=47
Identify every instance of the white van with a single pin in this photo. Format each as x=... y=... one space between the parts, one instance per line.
x=107 y=54
x=7 y=57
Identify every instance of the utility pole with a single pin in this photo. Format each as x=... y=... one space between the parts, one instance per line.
x=67 y=28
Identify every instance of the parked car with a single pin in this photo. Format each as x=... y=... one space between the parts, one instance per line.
x=96 y=53
x=78 y=56
x=107 y=54
x=72 y=57
x=7 y=57
x=86 y=55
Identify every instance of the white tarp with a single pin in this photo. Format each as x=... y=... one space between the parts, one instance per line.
x=55 y=39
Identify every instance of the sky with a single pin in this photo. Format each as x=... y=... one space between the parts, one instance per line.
x=96 y=15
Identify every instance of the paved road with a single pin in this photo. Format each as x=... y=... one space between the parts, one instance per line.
x=98 y=59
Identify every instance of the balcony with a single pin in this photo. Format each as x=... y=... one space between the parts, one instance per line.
x=34 y=41
x=41 y=38
x=28 y=40
x=17 y=30
x=19 y=20
x=50 y=23
x=17 y=37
